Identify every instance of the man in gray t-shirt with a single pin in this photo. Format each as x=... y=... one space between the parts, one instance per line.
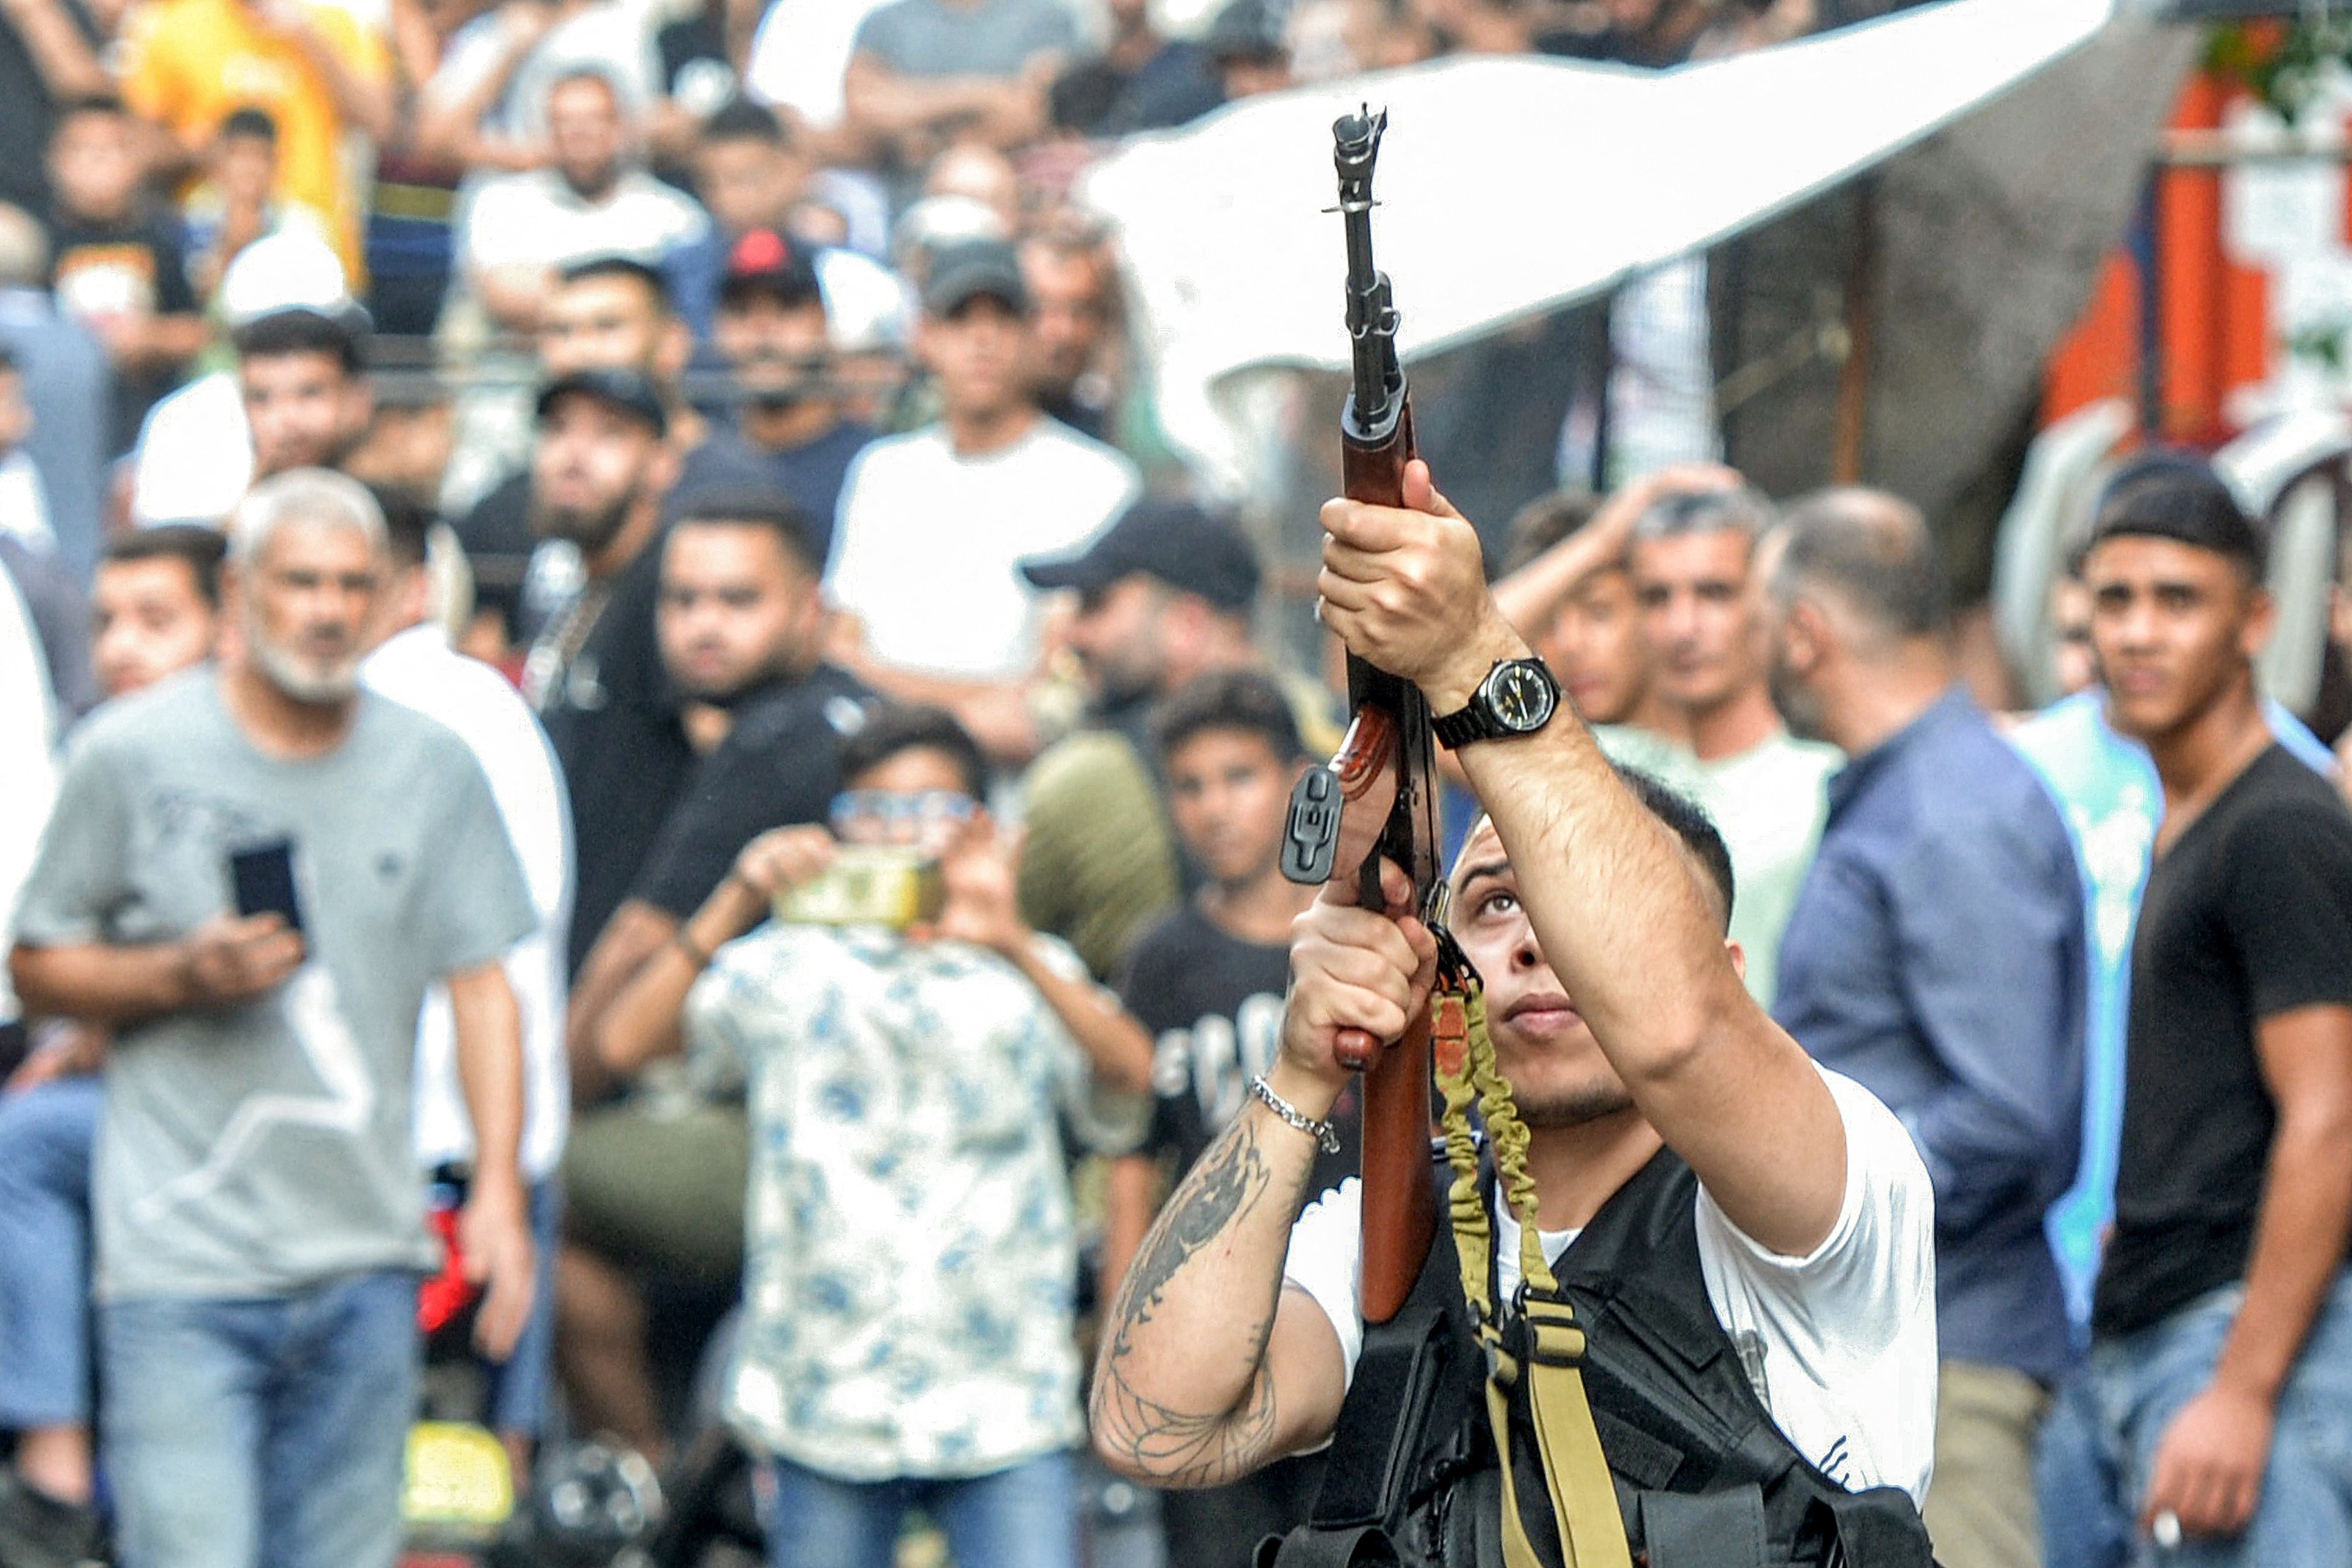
x=924 y=72
x=260 y=1216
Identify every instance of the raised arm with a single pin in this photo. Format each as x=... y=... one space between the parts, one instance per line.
x=1620 y=916
x=1530 y=596
x=982 y=908
x=1211 y=1367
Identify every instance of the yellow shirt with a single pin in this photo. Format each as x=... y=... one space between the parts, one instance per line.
x=191 y=63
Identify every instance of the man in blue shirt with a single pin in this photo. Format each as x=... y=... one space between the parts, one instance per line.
x=1936 y=956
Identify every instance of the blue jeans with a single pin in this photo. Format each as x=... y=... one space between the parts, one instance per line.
x=519 y=1388
x=46 y=1136
x=2099 y=1445
x=268 y=1432
x=1025 y=1517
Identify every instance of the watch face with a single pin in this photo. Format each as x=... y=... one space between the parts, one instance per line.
x=1521 y=696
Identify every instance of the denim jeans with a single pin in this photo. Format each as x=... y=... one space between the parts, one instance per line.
x=1025 y=1517
x=2099 y=1445
x=46 y=1136
x=260 y=1433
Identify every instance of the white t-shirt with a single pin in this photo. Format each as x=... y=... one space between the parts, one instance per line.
x=536 y=218
x=29 y=738
x=1769 y=803
x=929 y=541
x=194 y=460
x=1847 y=1334
x=418 y=668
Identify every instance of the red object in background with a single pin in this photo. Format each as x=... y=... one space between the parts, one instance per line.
x=440 y=1299
x=2214 y=323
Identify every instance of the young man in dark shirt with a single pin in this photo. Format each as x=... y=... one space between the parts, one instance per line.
x=2215 y=1406
x=1208 y=982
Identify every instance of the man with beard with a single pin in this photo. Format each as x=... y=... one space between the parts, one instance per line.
x=605 y=313
x=655 y=1187
x=1731 y=1242
x=1164 y=596
x=260 y=1225
x=1936 y=957
x=522 y=228
x=599 y=472
x=771 y=329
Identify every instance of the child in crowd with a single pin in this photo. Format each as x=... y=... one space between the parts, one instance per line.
x=116 y=263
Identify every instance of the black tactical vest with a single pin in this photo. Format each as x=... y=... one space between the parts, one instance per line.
x=1704 y=1478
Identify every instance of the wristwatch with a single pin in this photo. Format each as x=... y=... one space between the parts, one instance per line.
x=1519 y=696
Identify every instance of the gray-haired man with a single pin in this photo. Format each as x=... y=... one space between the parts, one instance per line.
x=1705 y=621
x=254 y=873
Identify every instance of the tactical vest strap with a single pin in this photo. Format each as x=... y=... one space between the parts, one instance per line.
x=1366 y=1546
x=1706 y=1530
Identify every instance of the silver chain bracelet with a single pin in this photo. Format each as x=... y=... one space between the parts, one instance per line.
x=1323 y=1132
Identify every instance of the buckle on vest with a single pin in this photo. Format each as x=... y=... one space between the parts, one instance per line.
x=1558 y=1339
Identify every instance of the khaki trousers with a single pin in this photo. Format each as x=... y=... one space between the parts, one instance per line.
x=1981 y=1510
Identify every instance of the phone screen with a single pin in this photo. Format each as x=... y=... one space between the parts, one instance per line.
x=263 y=874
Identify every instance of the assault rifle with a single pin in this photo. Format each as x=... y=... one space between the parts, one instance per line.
x=1378 y=798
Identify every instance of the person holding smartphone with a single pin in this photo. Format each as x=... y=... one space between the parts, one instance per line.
x=911 y=1256
x=259 y=1215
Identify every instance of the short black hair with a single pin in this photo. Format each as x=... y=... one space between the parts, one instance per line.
x=1691 y=824
x=1875 y=552
x=2180 y=497
x=408 y=523
x=199 y=548
x=283 y=334
x=250 y=121
x=650 y=278
x=730 y=507
x=1545 y=522
x=740 y=119
x=893 y=728
x=1242 y=700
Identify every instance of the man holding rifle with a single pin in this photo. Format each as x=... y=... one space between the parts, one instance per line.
x=1722 y=1192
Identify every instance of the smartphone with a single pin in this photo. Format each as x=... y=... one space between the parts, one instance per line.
x=263 y=877
x=882 y=885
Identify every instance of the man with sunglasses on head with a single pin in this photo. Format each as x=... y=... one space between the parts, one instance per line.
x=911 y=1256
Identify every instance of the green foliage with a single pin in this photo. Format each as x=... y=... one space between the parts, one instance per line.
x=2281 y=63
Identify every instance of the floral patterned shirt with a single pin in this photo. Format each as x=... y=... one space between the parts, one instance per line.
x=911 y=1258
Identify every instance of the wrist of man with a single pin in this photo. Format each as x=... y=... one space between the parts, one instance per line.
x=1450 y=688
x=2231 y=1375
x=1309 y=1093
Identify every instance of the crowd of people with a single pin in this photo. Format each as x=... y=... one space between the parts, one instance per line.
x=594 y=617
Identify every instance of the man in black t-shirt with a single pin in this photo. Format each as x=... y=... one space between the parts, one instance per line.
x=1207 y=981
x=2217 y=1402
x=656 y=1183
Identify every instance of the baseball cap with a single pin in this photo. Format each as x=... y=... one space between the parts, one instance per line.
x=625 y=390
x=764 y=261
x=289 y=270
x=962 y=273
x=1180 y=543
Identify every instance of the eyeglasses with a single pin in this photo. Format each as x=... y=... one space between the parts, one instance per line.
x=865 y=809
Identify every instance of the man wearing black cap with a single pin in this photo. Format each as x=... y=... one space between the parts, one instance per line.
x=771 y=329
x=600 y=470
x=1164 y=597
x=993 y=481
x=2211 y=1414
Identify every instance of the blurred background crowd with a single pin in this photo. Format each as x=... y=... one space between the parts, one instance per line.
x=753 y=390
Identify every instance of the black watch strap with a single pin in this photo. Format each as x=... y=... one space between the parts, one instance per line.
x=1469 y=722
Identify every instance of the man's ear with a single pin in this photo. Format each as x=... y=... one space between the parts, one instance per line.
x=2262 y=620
x=1805 y=636
x=1738 y=957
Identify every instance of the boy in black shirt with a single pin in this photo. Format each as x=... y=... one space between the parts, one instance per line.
x=2218 y=1398
x=115 y=266
x=1208 y=982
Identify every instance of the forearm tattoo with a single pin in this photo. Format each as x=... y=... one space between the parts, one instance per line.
x=1185 y=1447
